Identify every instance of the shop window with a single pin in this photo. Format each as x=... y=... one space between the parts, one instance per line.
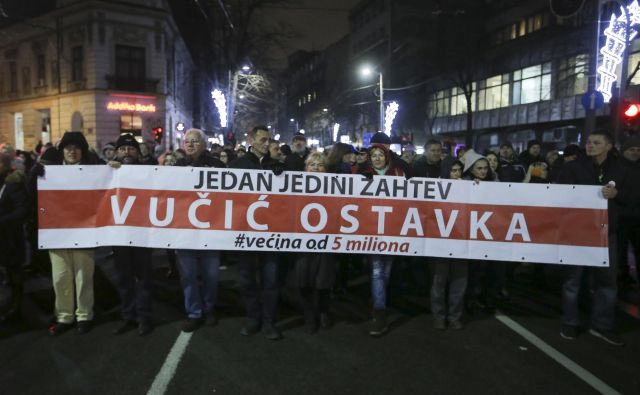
x=131 y=123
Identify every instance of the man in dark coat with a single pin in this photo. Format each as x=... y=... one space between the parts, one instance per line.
x=599 y=167
x=509 y=169
x=133 y=264
x=299 y=153
x=430 y=164
x=13 y=213
x=199 y=269
x=261 y=304
x=532 y=154
x=629 y=205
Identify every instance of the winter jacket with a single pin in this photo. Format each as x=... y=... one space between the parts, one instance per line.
x=628 y=198
x=251 y=161
x=585 y=171
x=295 y=162
x=511 y=171
x=13 y=213
x=203 y=160
x=422 y=168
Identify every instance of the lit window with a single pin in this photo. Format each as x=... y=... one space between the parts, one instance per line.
x=634 y=60
x=493 y=92
x=572 y=76
x=532 y=84
x=459 y=100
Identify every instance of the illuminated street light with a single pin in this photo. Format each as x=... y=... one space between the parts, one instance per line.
x=246 y=67
x=368 y=71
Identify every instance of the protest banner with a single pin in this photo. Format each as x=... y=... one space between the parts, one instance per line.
x=227 y=209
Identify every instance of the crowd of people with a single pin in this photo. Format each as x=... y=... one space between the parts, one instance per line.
x=456 y=286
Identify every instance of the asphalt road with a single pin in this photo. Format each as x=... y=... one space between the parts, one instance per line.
x=517 y=350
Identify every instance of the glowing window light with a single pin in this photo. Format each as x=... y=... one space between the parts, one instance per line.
x=221 y=104
x=389 y=116
x=336 y=130
x=345 y=139
x=615 y=45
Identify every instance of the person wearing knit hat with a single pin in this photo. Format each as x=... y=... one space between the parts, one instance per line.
x=133 y=265
x=128 y=151
x=381 y=138
x=476 y=167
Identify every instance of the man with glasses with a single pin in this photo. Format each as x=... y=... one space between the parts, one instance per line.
x=199 y=297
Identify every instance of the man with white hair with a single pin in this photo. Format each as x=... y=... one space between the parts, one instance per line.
x=299 y=153
x=199 y=296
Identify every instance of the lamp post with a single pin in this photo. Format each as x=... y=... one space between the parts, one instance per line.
x=367 y=71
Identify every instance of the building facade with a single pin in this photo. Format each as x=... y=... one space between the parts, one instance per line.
x=100 y=67
x=530 y=84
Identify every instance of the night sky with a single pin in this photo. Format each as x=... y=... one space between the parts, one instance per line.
x=319 y=23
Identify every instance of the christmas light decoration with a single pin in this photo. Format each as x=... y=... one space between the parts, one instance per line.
x=389 y=115
x=615 y=45
x=336 y=129
x=221 y=104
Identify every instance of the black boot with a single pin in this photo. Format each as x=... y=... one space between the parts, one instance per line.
x=379 y=324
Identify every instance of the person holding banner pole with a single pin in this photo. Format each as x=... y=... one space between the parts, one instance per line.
x=72 y=270
x=314 y=274
x=381 y=165
x=451 y=274
x=132 y=264
x=261 y=311
x=599 y=167
x=198 y=266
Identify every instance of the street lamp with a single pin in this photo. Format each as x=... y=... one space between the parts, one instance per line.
x=367 y=71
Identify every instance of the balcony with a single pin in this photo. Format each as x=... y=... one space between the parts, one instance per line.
x=118 y=83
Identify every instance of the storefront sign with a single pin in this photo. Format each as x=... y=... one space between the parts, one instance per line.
x=132 y=107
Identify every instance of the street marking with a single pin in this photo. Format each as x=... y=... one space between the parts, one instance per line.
x=556 y=355
x=168 y=370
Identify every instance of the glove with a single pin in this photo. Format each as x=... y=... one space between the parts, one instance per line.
x=278 y=169
x=39 y=170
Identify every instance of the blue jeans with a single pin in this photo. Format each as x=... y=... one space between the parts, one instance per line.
x=604 y=297
x=380 y=273
x=261 y=302
x=454 y=273
x=206 y=263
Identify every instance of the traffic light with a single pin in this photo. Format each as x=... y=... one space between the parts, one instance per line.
x=631 y=111
x=157 y=134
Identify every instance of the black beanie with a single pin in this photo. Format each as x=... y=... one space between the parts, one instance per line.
x=127 y=140
x=380 y=138
x=531 y=143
